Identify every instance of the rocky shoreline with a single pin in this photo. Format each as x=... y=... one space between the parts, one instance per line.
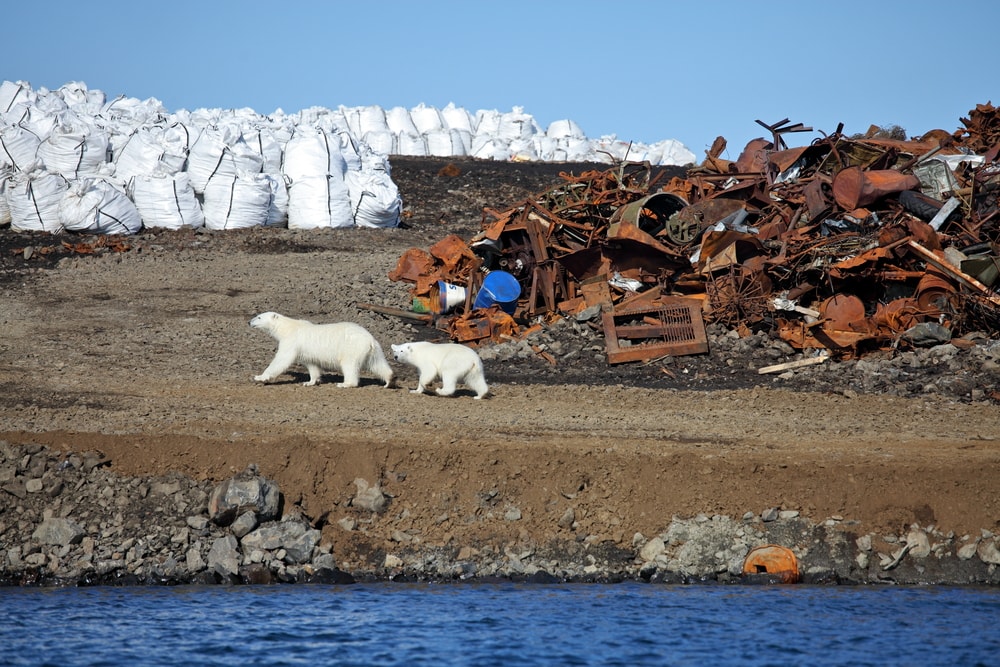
x=70 y=521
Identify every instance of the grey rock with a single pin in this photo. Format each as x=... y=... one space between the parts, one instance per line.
x=238 y=495
x=297 y=539
x=370 y=498
x=223 y=557
x=988 y=552
x=59 y=532
x=244 y=524
x=927 y=334
x=194 y=561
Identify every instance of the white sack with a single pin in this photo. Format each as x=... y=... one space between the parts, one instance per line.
x=220 y=151
x=74 y=147
x=237 y=201
x=564 y=129
x=443 y=143
x=277 y=209
x=517 y=125
x=398 y=121
x=18 y=147
x=34 y=196
x=265 y=143
x=411 y=144
x=6 y=174
x=375 y=199
x=153 y=149
x=426 y=118
x=94 y=205
x=383 y=142
x=13 y=93
x=318 y=202
x=486 y=147
x=457 y=118
x=166 y=200
x=313 y=152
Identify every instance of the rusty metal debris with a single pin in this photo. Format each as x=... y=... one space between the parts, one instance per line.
x=841 y=246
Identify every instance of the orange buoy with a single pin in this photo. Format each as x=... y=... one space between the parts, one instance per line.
x=771 y=559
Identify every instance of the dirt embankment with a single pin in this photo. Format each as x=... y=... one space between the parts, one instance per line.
x=146 y=355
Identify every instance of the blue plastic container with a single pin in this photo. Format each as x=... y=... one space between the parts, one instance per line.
x=499 y=288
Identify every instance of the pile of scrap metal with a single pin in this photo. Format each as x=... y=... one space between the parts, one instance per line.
x=848 y=245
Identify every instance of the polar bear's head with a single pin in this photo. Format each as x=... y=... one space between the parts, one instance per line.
x=402 y=351
x=265 y=321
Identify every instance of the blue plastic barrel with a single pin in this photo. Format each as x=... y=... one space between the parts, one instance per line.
x=499 y=288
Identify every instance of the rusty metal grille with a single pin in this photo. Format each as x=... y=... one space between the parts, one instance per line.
x=644 y=333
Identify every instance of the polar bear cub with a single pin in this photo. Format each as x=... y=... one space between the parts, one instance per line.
x=341 y=346
x=454 y=363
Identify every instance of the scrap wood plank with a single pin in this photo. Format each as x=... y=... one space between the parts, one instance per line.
x=789 y=365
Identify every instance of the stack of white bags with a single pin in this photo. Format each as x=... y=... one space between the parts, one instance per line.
x=72 y=160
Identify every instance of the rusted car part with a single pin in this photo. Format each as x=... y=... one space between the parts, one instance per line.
x=843 y=245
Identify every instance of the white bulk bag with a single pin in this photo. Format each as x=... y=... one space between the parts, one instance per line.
x=237 y=201
x=74 y=147
x=220 y=151
x=578 y=150
x=398 y=120
x=517 y=125
x=370 y=119
x=34 y=196
x=486 y=147
x=349 y=148
x=166 y=200
x=78 y=97
x=313 y=152
x=94 y=205
x=13 y=93
x=488 y=122
x=277 y=210
x=375 y=199
x=6 y=174
x=153 y=149
x=457 y=118
x=562 y=129
x=316 y=202
x=443 y=143
x=411 y=144
x=382 y=141
x=18 y=146
x=264 y=142
x=426 y=118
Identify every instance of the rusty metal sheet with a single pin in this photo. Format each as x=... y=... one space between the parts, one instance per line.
x=855 y=187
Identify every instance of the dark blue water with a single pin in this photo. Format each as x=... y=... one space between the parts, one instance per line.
x=505 y=624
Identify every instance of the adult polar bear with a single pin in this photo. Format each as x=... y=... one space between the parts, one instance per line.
x=453 y=362
x=340 y=346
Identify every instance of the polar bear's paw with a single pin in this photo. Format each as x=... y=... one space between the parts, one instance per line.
x=260 y=378
x=310 y=383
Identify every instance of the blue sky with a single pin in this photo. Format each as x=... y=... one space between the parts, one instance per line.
x=641 y=70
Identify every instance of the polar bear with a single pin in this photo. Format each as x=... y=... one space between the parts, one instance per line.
x=454 y=363
x=341 y=346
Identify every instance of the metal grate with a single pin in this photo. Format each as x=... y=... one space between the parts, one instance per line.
x=673 y=327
